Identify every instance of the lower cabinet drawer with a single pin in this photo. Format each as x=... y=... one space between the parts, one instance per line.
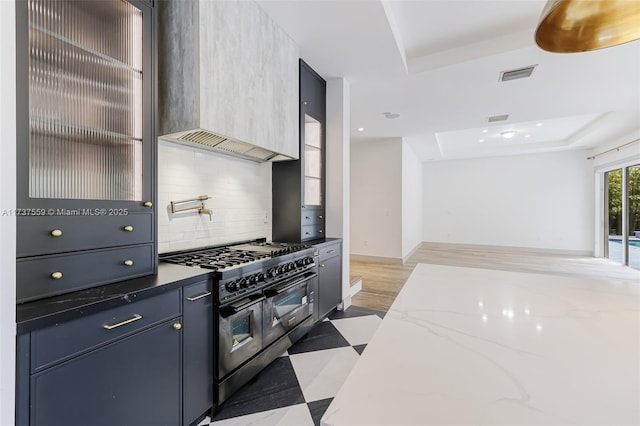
x=50 y=275
x=62 y=341
x=329 y=250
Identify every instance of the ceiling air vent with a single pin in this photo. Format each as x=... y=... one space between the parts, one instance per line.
x=516 y=74
x=498 y=118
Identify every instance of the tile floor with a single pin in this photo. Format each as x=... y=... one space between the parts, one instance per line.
x=297 y=388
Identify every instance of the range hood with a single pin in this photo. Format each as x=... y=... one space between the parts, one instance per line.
x=199 y=138
x=227 y=80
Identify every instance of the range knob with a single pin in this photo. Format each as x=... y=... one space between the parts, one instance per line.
x=291 y=266
x=272 y=272
x=301 y=262
x=281 y=269
x=260 y=277
x=232 y=286
x=252 y=279
x=242 y=283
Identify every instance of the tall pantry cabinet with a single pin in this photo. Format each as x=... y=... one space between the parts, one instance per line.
x=86 y=144
x=299 y=186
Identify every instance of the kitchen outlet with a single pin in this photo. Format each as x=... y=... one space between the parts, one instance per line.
x=266 y=218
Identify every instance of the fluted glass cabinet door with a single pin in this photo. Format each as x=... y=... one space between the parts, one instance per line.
x=312 y=161
x=89 y=101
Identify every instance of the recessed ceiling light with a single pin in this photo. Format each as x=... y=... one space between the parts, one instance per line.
x=527 y=135
x=480 y=140
x=391 y=115
x=485 y=131
x=361 y=129
x=538 y=124
x=508 y=134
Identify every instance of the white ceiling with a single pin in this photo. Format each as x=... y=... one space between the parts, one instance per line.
x=437 y=64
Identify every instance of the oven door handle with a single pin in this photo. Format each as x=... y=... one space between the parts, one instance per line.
x=244 y=303
x=270 y=292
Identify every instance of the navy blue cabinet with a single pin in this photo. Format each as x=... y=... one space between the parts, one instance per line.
x=86 y=141
x=197 y=344
x=299 y=186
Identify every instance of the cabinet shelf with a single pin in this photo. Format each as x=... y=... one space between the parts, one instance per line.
x=115 y=63
x=43 y=125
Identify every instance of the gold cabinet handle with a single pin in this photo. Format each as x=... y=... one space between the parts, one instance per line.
x=148 y=204
x=307 y=217
x=320 y=231
x=320 y=217
x=56 y=275
x=322 y=265
x=128 y=228
x=205 y=294
x=177 y=326
x=136 y=317
x=56 y=233
x=128 y=262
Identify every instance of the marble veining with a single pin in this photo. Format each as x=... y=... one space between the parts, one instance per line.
x=477 y=346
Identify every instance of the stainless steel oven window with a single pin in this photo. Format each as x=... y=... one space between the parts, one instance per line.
x=241 y=330
x=288 y=303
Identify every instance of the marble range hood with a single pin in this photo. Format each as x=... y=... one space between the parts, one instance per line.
x=227 y=80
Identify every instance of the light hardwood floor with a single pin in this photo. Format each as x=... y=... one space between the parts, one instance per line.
x=381 y=282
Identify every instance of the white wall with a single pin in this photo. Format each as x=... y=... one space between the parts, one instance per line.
x=411 y=201
x=8 y=221
x=542 y=201
x=337 y=172
x=240 y=191
x=376 y=198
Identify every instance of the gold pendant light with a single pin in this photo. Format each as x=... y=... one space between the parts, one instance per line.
x=568 y=26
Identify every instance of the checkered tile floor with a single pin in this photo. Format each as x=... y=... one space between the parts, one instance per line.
x=297 y=388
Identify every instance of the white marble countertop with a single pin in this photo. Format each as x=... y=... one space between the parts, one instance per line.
x=476 y=346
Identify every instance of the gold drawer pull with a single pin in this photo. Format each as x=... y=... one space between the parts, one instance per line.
x=177 y=326
x=56 y=233
x=128 y=262
x=320 y=231
x=56 y=275
x=148 y=204
x=307 y=217
x=128 y=228
x=320 y=217
x=205 y=294
x=322 y=265
x=136 y=317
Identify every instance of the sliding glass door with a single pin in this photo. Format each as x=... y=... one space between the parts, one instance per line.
x=633 y=216
x=622 y=215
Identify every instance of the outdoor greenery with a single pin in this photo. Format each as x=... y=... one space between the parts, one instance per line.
x=615 y=200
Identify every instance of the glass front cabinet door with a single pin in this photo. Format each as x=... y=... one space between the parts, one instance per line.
x=86 y=133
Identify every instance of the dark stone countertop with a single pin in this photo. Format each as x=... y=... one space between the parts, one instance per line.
x=52 y=310
x=322 y=241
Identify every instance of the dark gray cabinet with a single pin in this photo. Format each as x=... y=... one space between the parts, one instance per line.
x=197 y=344
x=299 y=186
x=116 y=367
x=86 y=140
x=329 y=276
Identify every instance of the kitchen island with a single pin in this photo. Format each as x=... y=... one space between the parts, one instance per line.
x=477 y=346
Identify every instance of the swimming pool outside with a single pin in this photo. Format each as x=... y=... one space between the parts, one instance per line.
x=615 y=251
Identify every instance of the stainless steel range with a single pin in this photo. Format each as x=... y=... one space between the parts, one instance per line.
x=265 y=302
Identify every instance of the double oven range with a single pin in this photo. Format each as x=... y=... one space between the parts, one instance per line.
x=265 y=302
